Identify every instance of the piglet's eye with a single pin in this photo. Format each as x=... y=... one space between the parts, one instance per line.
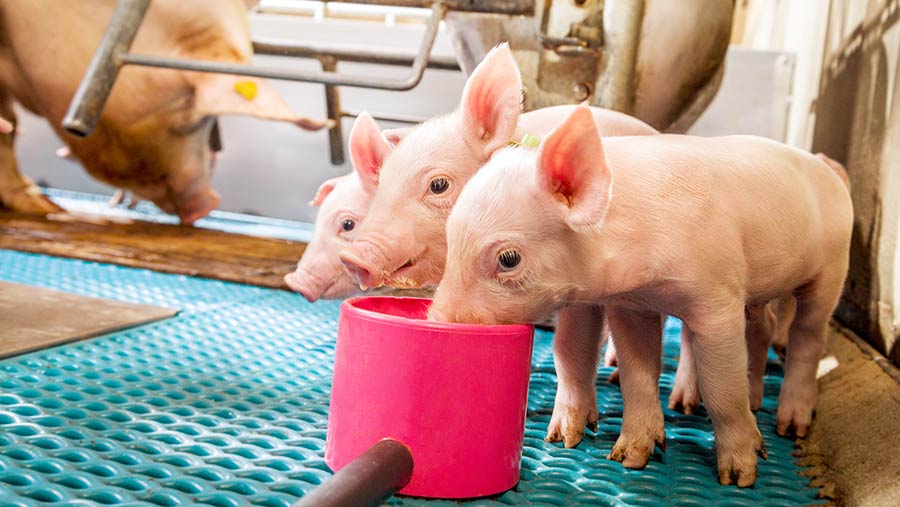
x=348 y=225
x=508 y=260
x=438 y=185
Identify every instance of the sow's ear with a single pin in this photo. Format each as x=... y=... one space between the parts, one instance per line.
x=225 y=94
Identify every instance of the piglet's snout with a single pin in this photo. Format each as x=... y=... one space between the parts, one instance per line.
x=305 y=284
x=360 y=263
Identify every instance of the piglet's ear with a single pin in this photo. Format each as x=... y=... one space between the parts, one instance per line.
x=492 y=100
x=573 y=168
x=394 y=136
x=324 y=190
x=368 y=149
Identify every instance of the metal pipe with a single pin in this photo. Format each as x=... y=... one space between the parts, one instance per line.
x=418 y=68
x=625 y=19
x=509 y=7
x=84 y=111
x=366 y=481
x=333 y=107
x=397 y=118
x=215 y=137
x=277 y=47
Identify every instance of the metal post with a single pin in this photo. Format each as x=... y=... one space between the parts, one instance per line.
x=87 y=104
x=333 y=106
x=625 y=20
x=215 y=137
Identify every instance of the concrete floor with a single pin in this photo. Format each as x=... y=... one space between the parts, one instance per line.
x=853 y=450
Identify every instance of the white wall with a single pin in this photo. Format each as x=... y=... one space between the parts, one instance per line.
x=796 y=27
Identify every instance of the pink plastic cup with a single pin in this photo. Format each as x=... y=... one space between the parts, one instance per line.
x=454 y=394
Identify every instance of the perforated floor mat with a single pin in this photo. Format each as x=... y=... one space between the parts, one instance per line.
x=226 y=405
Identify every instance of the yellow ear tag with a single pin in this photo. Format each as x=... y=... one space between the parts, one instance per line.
x=246 y=89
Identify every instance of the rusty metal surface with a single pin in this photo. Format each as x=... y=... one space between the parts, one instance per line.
x=160 y=247
x=572 y=55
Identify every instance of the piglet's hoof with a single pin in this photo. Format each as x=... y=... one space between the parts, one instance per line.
x=634 y=450
x=685 y=399
x=740 y=468
x=793 y=420
x=568 y=422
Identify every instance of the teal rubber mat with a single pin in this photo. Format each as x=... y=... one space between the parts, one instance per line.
x=226 y=405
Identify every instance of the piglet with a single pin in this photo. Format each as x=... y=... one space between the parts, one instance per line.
x=343 y=202
x=401 y=243
x=693 y=227
x=402 y=240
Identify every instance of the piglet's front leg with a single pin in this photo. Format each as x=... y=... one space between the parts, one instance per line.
x=638 y=344
x=717 y=335
x=576 y=349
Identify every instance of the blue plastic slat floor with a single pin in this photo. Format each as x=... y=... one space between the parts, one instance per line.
x=226 y=405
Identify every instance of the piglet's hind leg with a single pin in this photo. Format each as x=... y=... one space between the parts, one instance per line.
x=639 y=345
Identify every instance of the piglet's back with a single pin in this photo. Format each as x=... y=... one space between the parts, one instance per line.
x=769 y=203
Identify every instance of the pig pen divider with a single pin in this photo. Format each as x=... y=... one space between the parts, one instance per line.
x=112 y=54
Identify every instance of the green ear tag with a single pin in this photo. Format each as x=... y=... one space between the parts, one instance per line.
x=529 y=141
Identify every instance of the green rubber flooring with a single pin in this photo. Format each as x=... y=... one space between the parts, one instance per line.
x=226 y=405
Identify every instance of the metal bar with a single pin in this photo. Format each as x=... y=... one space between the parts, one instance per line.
x=397 y=118
x=627 y=18
x=418 y=68
x=345 y=54
x=215 y=137
x=509 y=7
x=333 y=106
x=93 y=91
x=366 y=481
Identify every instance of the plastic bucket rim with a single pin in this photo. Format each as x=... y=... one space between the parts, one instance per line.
x=349 y=308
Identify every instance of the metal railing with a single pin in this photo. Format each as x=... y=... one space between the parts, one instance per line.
x=113 y=53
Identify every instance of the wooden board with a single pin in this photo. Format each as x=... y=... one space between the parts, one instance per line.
x=160 y=247
x=35 y=318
